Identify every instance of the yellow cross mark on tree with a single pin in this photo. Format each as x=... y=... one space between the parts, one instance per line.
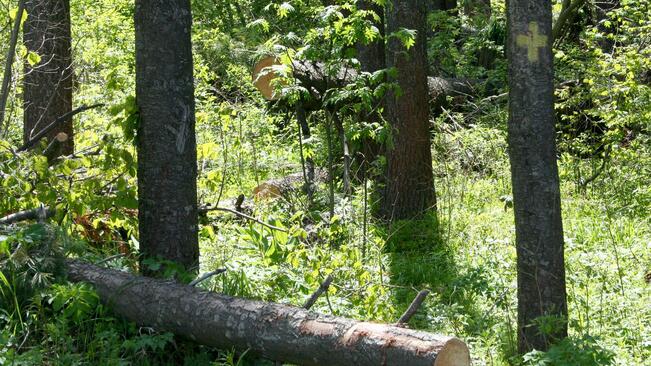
x=532 y=41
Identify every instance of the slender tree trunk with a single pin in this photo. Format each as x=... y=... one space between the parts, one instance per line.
x=409 y=187
x=9 y=63
x=536 y=192
x=47 y=90
x=167 y=157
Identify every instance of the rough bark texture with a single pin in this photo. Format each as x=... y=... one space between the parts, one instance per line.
x=477 y=8
x=47 y=89
x=409 y=183
x=372 y=58
x=313 y=77
x=274 y=331
x=167 y=157
x=536 y=192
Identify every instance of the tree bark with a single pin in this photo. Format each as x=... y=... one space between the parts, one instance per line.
x=372 y=58
x=409 y=189
x=274 y=331
x=167 y=157
x=534 y=171
x=47 y=90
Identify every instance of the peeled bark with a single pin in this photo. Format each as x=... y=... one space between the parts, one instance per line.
x=167 y=153
x=47 y=90
x=274 y=331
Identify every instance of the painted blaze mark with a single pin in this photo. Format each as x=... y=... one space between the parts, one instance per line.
x=532 y=41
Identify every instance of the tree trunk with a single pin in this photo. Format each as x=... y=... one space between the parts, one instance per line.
x=409 y=183
x=480 y=9
x=9 y=63
x=167 y=157
x=47 y=90
x=534 y=171
x=372 y=58
x=274 y=331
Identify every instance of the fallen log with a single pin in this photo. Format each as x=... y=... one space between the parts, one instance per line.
x=274 y=331
x=316 y=79
x=39 y=213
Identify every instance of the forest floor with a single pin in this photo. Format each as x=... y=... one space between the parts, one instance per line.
x=465 y=254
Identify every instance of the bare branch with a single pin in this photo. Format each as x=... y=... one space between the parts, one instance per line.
x=242 y=215
x=315 y=296
x=413 y=308
x=34 y=140
x=206 y=276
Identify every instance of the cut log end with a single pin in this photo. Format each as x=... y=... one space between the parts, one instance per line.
x=61 y=137
x=454 y=353
x=262 y=78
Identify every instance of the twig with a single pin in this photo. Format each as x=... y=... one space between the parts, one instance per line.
x=108 y=259
x=413 y=308
x=207 y=276
x=243 y=215
x=315 y=296
x=4 y=93
x=40 y=213
x=584 y=182
x=34 y=140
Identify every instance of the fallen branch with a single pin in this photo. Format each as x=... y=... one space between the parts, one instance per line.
x=207 y=276
x=242 y=215
x=274 y=331
x=413 y=308
x=39 y=213
x=34 y=140
x=315 y=296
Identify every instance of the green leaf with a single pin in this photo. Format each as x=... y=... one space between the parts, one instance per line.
x=284 y=9
x=33 y=58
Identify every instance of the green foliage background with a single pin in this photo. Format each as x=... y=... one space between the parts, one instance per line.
x=465 y=253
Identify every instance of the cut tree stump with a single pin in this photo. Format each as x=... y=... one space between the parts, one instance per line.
x=274 y=331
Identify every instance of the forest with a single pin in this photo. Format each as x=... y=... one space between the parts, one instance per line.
x=325 y=182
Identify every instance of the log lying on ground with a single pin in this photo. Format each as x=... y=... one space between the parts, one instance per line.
x=315 y=78
x=39 y=213
x=274 y=331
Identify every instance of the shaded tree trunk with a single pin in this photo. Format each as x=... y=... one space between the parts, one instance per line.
x=480 y=9
x=47 y=89
x=534 y=171
x=167 y=157
x=409 y=187
x=372 y=58
x=275 y=331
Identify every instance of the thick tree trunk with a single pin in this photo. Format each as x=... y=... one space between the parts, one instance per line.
x=274 y=331
x=536 y=192
x=167 y=157
x=47 y=90
x=409 y=182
